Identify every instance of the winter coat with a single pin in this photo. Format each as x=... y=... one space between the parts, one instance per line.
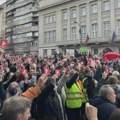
x=48 y=105
x=98 y=74
x=105 y=107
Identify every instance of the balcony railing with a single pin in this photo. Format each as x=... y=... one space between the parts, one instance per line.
x=22 y=3
x=22 y=39
x=25 y=11
x=10 y=8
x=23 y=21
x=34 y=28
x=17 y=5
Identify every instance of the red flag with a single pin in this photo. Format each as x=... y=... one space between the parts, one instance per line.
x=87 y=39
x=4 y=43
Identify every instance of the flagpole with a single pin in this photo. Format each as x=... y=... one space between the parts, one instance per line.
x=113 y=40
x=80 y=32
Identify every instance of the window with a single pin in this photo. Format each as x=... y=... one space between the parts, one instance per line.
x=106 y=28
x=73 y=33
x=94 y=30
x=50 y=19
x=106 y=5
x=46 y=19
x=118 y=3
x=96 y=51
x=73 y=13
x=23 y=17
x=65 y=34
x=54 y=18
x=83 y=31
x=118 y=26
x=94 y=8
x=46 y=37
x=35 y=33
x=54 y=35
x=65 y=15
x=50 y=36
x=83 y=11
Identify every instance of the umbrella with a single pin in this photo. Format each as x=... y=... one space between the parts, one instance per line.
x=111 y=56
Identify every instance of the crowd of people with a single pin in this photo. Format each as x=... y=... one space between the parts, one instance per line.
x=79 y=87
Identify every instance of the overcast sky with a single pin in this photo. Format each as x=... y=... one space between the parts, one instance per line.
x=2 y=1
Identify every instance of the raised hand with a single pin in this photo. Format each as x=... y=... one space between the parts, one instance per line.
x=42 y=80
x=91 y=112
x=54 y=78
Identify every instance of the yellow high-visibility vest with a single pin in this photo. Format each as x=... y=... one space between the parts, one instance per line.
x=84 y=90
x=73 y=96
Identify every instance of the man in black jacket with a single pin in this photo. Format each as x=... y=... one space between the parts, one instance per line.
x=105 y=102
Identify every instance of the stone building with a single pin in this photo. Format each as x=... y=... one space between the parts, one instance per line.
x=61 y=20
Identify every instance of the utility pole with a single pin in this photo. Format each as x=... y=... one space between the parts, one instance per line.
x=80 y=32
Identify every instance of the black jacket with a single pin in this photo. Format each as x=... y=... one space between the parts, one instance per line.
x=88 y=83
x=7 y=82
x=98 y=74
x=105 y=107
x=48 y=105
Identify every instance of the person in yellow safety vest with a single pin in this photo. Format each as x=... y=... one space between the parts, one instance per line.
x=73 y=98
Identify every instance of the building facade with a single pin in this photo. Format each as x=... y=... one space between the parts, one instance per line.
x=60 y=22
x=2 y=22
x=22 y=26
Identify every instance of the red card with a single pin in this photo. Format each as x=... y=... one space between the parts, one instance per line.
x=46 y=70
x=57 y=72
x=4 y=43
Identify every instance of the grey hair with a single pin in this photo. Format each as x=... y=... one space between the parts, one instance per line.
x=112 y=80
x=15 y=107
x=105 y=91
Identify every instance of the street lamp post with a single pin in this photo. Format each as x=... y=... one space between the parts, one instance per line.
x=80 y=32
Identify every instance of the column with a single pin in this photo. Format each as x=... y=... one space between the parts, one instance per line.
x=78 y=21
x=88 y=18
x=68 y=24
x=58 y=26
x=100 y=24
x=112 y=15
